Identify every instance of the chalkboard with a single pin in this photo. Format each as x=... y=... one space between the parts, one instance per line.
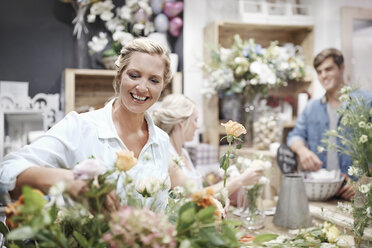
x=287 y=159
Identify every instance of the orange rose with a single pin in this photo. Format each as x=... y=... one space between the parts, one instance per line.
x=233 y=128
x=125 y=160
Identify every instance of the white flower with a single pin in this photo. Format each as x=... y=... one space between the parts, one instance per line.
x=362 y=124
x=346 y=208
x=148 y=186
x=232 y=171
x=138 y=27
x=190 y=186
x=264 y=73
x=91 y=18
x=125 y=13
x=122 y=37
x=368 y=212
x=320 y=149
x=98 y=43
x=263 y=180
x=179 y=192
x=346 y=90
x=57 y=189
x=106 y=15
x=363 y=139
x=364 y=188
x=344 y=97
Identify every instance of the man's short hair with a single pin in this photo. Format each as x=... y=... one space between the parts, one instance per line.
x=334 y=53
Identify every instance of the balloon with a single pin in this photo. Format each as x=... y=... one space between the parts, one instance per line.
x=140 y=16
x=172 y=9
x=161 y=23
x=157 y=6
x=175 y=26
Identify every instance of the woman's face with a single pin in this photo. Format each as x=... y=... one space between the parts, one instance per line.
x=191 y=125
x=142 y=81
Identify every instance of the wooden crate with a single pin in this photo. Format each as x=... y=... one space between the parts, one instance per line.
x=84 y=88
x=222 y=33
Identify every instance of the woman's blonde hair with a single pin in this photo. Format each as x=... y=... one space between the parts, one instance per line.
x=173 y=109
x=142 y=45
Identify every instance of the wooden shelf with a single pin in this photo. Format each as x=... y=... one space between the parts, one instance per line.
x=84 y=88
x=222 y=33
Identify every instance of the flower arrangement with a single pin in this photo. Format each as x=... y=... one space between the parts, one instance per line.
x=69 y=222
x=248 y=68
x=355 y=135
x=124 y=22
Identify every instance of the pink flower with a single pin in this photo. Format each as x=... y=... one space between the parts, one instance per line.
x=88 y=169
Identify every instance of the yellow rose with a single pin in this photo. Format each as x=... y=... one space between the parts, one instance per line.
x=233 y=128
x=332 y=234
x=125 y=160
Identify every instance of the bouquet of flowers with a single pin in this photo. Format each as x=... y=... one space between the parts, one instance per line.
x=355 y=138
x=58 y=220
x=122 y=23
x=248 y=68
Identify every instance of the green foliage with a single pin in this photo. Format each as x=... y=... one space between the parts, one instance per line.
x=197 y=227
x=70 y=226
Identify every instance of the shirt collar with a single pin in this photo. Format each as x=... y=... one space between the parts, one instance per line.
x=108 y=130
x=324 y=99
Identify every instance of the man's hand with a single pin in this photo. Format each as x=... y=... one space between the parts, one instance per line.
x=346 y=192
x=309 y=160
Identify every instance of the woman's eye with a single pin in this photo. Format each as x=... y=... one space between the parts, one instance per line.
x=154 y=80
x=133 y=75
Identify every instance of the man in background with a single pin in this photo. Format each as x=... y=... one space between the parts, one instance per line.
x=319 y=116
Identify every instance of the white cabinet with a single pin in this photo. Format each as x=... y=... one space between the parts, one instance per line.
x=15 y=128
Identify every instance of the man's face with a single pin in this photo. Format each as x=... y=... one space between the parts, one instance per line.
x=330 y=75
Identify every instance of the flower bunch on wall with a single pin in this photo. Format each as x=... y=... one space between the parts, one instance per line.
x=247 y=67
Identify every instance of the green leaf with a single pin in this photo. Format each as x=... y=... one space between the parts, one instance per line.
x=206 y=214
x=238 y=146
x=229 y=234
x=33 y=199
x=3 y=229
x=21 y=233
x=265 y=237
x=212 y=235
x=225 y=161
x=81 y=239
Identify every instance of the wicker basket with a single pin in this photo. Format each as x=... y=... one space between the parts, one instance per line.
x=109 y=62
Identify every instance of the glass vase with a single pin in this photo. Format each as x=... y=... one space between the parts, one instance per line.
x=252 y=212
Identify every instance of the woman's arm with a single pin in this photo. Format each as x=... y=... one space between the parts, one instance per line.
x=249 y=177
x=177 y=176
x=42 y=178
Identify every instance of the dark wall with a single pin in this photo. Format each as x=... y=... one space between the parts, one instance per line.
x=36 y=43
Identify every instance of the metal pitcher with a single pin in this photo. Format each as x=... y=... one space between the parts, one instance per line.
x=292 y=210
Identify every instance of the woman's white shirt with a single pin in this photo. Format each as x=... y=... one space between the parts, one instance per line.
x=80 y=136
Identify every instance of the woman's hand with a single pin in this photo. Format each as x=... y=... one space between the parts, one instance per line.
x=251 y=176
